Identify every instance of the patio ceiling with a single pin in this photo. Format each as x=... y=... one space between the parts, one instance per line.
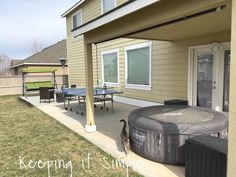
x=213 y=22
x=165 y=20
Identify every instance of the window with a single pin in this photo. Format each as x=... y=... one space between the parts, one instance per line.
x=110 y=67
x=138 y=66
x=108 y=5
x=77 y=19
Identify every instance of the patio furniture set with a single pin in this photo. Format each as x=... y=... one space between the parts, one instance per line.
x=101 y=95
x=28 y=86
x=167 y=134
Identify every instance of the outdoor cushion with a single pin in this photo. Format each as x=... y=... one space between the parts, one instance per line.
x=37 y=85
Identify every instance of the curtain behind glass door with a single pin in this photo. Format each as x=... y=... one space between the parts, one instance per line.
x=204 y=79
x=226 y=80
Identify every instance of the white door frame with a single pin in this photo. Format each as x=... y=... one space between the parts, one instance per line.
x=218 y=74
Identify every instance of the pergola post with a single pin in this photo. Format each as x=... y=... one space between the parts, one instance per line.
x=90 y=126
x=232 y=107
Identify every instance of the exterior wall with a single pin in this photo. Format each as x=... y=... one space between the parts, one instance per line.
x=76 y=70
x=92 y=9
x=169 y=66
x=169 y=60
x=75 y=56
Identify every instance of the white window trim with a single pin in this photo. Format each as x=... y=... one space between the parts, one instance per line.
x=111 y=84
x=137 y=86
x=81 y=17
x=191 y=69
x=102 y=10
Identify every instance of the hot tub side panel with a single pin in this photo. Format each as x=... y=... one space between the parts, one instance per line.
x=167 y=149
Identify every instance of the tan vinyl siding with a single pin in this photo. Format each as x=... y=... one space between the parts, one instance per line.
x=120 y=2
x=164 y=79
x=76 y=64
x=75 y=57
x=169 y=66
x=90 y=10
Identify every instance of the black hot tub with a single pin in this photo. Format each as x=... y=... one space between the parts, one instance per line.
x=158 y=133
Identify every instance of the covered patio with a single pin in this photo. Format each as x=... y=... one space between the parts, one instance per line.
x=107 y=136
x=166 y=21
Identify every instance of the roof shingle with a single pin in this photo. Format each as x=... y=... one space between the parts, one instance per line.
x=51 y=54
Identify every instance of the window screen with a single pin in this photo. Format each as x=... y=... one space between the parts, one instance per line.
x=110 y=66
x=77 y=20
x=138 y=66
x=108 y=5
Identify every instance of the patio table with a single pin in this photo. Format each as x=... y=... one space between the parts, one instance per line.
x=100 y=95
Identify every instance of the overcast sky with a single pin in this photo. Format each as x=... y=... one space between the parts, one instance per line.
x=23 y=21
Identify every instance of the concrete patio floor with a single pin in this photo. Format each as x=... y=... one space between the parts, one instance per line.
x=107 y=136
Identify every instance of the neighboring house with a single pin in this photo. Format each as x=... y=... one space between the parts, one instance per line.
x=170 y=67
x=48 y=57
x=15 y=62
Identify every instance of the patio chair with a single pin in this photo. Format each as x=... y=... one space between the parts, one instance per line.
x=46 y=94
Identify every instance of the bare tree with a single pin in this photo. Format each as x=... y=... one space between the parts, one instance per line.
x=5 y=64
x=36 y=46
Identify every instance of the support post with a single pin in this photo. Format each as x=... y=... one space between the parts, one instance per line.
x=23 y=84
x=231 y=171
x=54 y=80
x=90 y=126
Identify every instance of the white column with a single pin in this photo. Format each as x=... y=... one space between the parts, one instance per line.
x=231 y=172
x=90 y=126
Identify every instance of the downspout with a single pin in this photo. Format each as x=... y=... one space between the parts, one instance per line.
x=97 y=64
x=23 y=85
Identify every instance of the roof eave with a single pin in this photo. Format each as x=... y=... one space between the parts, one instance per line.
x=120 y=12
x=41 y=64
x=72 y=8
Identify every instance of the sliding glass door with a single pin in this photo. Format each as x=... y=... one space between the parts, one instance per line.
x=210 y=83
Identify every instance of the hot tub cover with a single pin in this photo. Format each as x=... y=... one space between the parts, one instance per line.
x=178 y=119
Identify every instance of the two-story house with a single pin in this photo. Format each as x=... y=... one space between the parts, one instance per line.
x=185 y=49
x=155 y=70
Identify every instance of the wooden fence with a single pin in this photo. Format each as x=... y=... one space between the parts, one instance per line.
x=10 y=85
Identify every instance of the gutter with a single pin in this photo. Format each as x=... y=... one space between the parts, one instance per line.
x=72 y=8
x=120 y=11
x=44 y=64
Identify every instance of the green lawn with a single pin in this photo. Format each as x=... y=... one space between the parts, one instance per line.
x=33 y=144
